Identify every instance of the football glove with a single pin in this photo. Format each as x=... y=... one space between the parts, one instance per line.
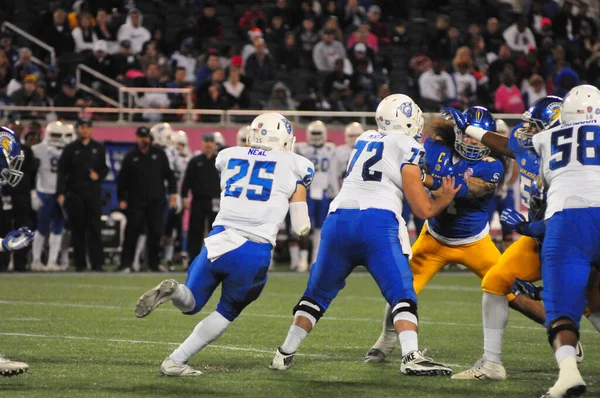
x=524 y=288
x=511 y=218
x=36 y=202
x=17 y=239
x=457 y=116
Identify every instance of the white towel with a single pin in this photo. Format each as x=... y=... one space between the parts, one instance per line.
x=222 y=243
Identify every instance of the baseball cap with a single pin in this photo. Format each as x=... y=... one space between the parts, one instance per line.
x=84 y=120
x=70 y=82
x=189 y=42
x=237 y=61
x=255 y=33
x=546 y=22
x=208 y=137
x=375 y=9
x=30 y=79
x=360 y=48
x=125 y=43
x=142 y=132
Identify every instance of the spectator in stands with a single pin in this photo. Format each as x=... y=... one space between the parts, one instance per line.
x=52 y=82
x=400 y=36
x=533 y=90
x=58 y=35
x=275 y=32
x=338 y=81
x=327 y=51
x=528 y=64
x=473 y=34
x=6 y=44
x=101 y=62
x=70 y=97
x=498 y=66
x=280 y=98
x=287 y=56
x=304 y=10
x=27 y=95
x=493 y=38
x=25 y=65
x=282 y=9
x=331 y=11
x=40 y=88
x=333 y=23
x=566 y=23
x=354 y=13
x=362 y=80
x=178 y=100
x=436 y=87
x=238 y=95
x=439 y=42
x=184 y=59
x=583 y=44
x=361 y=52
x=5 y=72
x=519 y=37
x=307 y=38
x=253 y=18
x=360 y=103
x=205 y=72
x=363 y=35
x=105 y=32
x=217 y=78
x=84 y=35
x=260 y=66
x=153 y=99
x=586 y=17
x=133 y=31
x=315 y=102
x=125 y=60
x=209 y=27
x=508 y=97
x=215 y=99
x=466 y=84
x=382 y=92
x=377 y=27
x=253 y=36
x=151 y=55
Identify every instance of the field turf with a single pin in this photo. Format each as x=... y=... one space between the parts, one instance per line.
x=81 y=339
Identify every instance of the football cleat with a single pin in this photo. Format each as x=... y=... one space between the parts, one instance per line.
x=174 y=369
x=382 y=348
x=38 y=267
x=575 y=387
x=53 y=267
x=579 y=352
x=155 y=297
x=302 y=266
x=483 y=370
x=12 y=368
x=415 y=364
x=282 y=361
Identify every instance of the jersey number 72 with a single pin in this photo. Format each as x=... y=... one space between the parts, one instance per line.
x=367 y=174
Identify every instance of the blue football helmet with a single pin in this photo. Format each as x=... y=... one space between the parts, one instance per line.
x=476 y=116
x=543 y=113
x=12 y=158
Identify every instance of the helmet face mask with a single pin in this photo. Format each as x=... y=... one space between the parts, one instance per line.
x=352 y=132
x=543 y=113
x=59 y=134
x=243 y=136
x=11 y=159
x=468 y=148
x=316 y=133
x=160 y=134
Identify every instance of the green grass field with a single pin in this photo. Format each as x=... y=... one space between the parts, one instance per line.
x=80 y=338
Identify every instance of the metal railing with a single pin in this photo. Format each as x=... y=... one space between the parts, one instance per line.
x=33 y=39
x=84 y=68
x=188 y=111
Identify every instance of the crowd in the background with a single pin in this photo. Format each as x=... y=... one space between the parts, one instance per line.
x=347 y=47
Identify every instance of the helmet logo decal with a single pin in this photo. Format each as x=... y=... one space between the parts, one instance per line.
x=260 y=125
x=406 y=109
x=288 y=125
x=478 y=115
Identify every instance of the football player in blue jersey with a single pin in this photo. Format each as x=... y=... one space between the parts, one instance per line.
x=459 y=234
x=11 y=160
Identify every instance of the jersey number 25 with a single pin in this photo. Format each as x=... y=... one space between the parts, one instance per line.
x=265 y=183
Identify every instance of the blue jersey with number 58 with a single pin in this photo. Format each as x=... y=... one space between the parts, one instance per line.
x=570 y=156
x=465 y=220
x=256 y=189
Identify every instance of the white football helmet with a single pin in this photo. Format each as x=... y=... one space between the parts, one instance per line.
x=243 y=136
x=580 y=104
x=399 y=114
x=180 y=142
x=160 y=134
x=502 y=127
x=352 y=132
x=273 y=132
x=59 y=134
x=219 y=139
x=316 y=133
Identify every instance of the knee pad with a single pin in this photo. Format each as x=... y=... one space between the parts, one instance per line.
x=405 y=310
x=554 y=330
x=309 y=309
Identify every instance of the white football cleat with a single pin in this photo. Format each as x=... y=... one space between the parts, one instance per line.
x=38 y=267
x=53 y=267
x=302 y=266
x=12 y=368
x=155 y=297
x=282 y=361
x=579 y=352
x=483 y=370
x=382 y=348
x=174 y=369
x=415 y=364
x=574 y=387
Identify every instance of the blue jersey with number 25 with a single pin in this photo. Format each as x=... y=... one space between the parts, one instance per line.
x=464 y=217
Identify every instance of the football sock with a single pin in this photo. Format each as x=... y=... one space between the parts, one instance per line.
x=294 y=256
x=169 y=251
x=207 y=331
x=594 y=319
x=304 y=255
x=563 y=352
x=409 y=341
x=139 y=247
x=567 y=363
x=495 y=317
x=38 y=246
x=316 y=241
x=54 y=243
x=183 y=299
x=293 y=339
x=388 y=323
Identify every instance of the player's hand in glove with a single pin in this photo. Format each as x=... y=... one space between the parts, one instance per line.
x=511 y=218
x=457 y=116
x=36 y=202
x=524 y=288
x=17 y=239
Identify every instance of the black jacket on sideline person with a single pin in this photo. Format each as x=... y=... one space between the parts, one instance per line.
x=74 y=168
x=202 y=178
x=142 y=177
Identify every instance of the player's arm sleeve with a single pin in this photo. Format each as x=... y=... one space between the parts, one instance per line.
x=412 y=155
x=61 y=175
x=102 y=166
x=300 y=220
x=534 y=229
x=305 y=172
x=484 y=181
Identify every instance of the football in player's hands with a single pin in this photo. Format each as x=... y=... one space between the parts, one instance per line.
x=457 y=116
x=511 y=217
x=17 y=239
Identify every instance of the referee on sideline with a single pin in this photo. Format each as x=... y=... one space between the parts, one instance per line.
x=81 y=169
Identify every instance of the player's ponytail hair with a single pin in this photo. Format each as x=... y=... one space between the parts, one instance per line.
x=442 y=130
